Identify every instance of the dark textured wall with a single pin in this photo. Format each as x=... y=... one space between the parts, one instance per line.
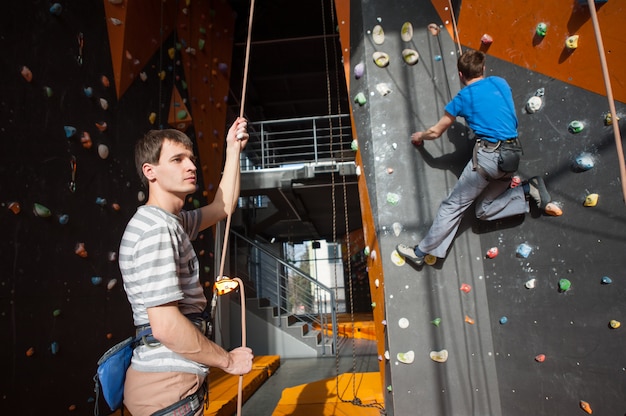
x=46 y=291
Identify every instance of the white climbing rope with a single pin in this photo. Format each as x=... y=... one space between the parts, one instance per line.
x=609 y=95
x=456 y=30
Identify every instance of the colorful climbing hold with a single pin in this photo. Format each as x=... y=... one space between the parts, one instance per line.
x=469 y=320
x=466 y=288
x=359 y=70
x=85 y=140
x=56 y=313
x=606 y=280
x=571 y=42
x=410 y=56
x=111 y=284
x=492 y=252
x=393 y=198
x=64 y=219
x=41 y=211
x=389 y=389
x=523 y=250
x=378 y=35
x=54 y=348
x=436 y=322
x=530 y=284
x=96 y=280
x=360 y=99
x=575 y=127
x=486 y=39
x=406 y=357
x=515 y=181
x=586 y=407
x=554 y=209
x=381 y=59
x=30 y=352
x=540 y=358
x=439 y=356
x=615 y=324
x=48 y=91
x=504 y=320
x=591 y=200
x=430 y=259
x=56 y=9
x=80 y=250
x=69 y=131
x=102 y=126
x=406 y=32
x=103 y=151
x=101 y=201
x=403 y=323
x=564 y=285
x=26 y=73
x=583 y=162
x=14 y=207
x=104 y=104
x=434 y=29
x=541 y=29
x=608 y=119
x=152 y=118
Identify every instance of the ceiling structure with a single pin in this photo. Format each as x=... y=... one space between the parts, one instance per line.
x=295 y=71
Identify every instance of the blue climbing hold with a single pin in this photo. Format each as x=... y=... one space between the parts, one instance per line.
x=504 y=320
x=96 y=280
x=56 y=9
x=69 y=131
x=606 y=280
x=523 y=250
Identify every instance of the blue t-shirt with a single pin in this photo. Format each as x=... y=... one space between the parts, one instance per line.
x=487 y=107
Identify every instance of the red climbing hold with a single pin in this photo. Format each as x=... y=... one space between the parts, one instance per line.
x=540 y=358
x=486 y=39
x=492 y=252
x=466 y=288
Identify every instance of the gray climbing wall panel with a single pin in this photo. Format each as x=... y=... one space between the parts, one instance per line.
x=491 y=369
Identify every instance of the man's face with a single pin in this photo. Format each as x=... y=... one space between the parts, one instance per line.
x=176 y=170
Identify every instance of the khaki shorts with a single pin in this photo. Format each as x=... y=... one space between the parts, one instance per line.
x=146 y=393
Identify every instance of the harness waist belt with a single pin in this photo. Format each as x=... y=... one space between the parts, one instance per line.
x=188 y=406
x=146 y=333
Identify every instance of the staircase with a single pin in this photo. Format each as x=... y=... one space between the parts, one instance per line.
x=272 y=328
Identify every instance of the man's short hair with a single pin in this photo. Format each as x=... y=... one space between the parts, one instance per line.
x=148 y=148
x=471 y=64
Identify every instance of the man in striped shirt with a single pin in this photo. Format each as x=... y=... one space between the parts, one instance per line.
x=161 y=278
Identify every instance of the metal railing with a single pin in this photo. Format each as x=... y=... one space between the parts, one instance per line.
x=288 y=289
x=280 y=143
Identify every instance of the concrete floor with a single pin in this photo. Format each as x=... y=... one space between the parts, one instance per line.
x=293 y=372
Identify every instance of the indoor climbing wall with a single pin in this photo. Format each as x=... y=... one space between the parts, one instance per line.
x=523 y=315
x=81 y=81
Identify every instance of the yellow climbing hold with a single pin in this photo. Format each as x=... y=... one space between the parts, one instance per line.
x=615 y=324
x=591 y=200
x=572 y=42
x=430 y=259
x=381 y=59
x=439 y=356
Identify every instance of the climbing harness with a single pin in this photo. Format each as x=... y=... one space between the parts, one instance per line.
x=355 y=400
x=187 y=406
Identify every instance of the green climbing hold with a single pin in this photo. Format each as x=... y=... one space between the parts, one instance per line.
x=41 y=211
x=393 y=198
x=360 y=99
x=436 y=322
x=541 y=29
x=564 y=285
x=181 y=114
x=354 y=145
x=575 y=127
